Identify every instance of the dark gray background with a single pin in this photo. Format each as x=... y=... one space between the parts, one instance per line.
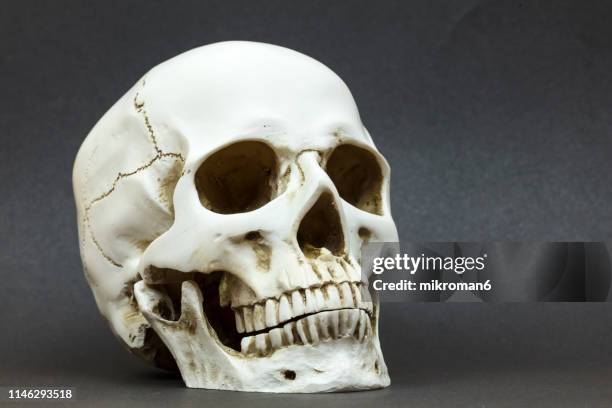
x=496 y=117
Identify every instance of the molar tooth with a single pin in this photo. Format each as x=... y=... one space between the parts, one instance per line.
x=298 y=303
x=288 y=331
x=311 y=303
x=271 y=313
x=259 y=317
x=333 y=297
x=302 y=328
x=347 y=295
x=284 y=309
x=276 y=338
x=239 y=321
x=312 y=329
x=248 y=318
x=247 y=345
x=261 y=344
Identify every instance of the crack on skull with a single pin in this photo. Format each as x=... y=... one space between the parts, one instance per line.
x=160 y=154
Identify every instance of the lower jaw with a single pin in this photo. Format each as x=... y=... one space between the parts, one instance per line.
x=341 y=364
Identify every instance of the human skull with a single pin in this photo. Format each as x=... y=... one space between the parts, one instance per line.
x=222 y=206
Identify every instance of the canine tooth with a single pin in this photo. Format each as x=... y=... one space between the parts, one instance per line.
x=261 y=344
x=363 y=317
x=298 y=303
x=312 y=329
x=284 y=309
x=302 y=327
x=239 y=321
x=276 y=338
x=319 y=298
x=332 y=319
x=271 y=313
x=347 y=295
x=333 y=297
x=311 y=303
x=288 y=330
x=259 y=317
x=248 y=318
x=247 y=345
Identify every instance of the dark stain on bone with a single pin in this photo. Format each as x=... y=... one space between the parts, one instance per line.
x=376 y=367
x=364 y=234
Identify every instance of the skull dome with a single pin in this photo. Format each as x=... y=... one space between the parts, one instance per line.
x=222 y=206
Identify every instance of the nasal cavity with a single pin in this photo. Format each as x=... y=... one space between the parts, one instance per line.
x=321 y=228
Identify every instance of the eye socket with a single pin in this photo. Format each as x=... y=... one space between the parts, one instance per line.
x=238 y=178
x=358 y=177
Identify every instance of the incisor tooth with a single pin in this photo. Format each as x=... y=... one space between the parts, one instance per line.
x=259 y=317
x=284 y=309
x=333 y=297
x=302 y=327
x=297 y=303
x=248 y=318
x=288 y=330
x=271 y=313
x=311 y=305
x=319 y=298
x=347 y=295
x=239 y=321
x=312 y=329
x=323 y=325
x=261 y=344
x=342 y=323
x=276 y=338
x=332 y=320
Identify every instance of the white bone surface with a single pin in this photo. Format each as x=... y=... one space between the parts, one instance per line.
x=139 y=213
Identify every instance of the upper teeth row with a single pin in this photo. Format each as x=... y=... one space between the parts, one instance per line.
x=312 y=329
x=300 y=302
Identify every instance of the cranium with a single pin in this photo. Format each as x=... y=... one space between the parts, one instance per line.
x=223 y=203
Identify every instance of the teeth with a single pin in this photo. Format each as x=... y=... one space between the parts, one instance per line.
x=284 y=311
x=239 y=321
x=288 y=330
x=298 y=303
x=271 y=313
x=312 y=329
x=321 y=327
x=248 y=319
x=302 y=326
x=261 y=344
x=333 y=296
x=311 y=303
x=276 y=338
x=259 y=317
x=346 y=295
